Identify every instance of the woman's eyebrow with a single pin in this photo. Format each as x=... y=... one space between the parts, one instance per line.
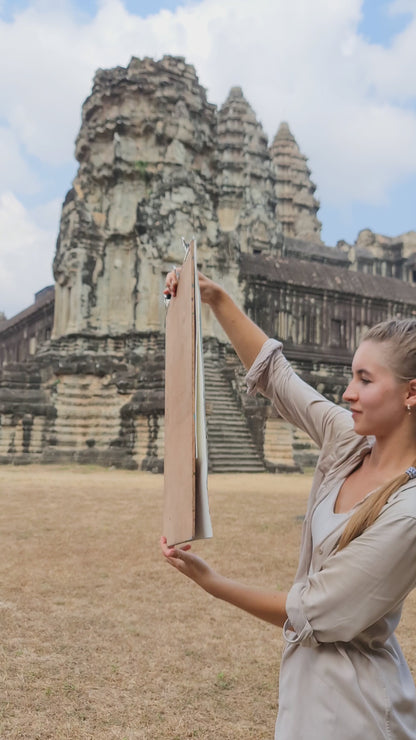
x=362 y=371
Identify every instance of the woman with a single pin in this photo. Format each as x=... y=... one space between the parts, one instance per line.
x=343 y=674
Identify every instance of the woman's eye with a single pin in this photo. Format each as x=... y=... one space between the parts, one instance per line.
x=365 y=381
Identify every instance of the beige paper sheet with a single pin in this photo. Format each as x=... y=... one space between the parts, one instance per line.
x=186 y=510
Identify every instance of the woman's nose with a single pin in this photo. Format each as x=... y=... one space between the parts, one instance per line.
x=349 y=393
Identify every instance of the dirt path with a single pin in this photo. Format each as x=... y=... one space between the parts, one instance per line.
x=101 y=639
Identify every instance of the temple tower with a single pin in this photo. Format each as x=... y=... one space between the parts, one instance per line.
x=246 y=182
x=145 y=152
x=297 y=206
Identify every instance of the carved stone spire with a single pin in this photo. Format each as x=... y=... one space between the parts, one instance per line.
x=246 y=183
x=296 y=205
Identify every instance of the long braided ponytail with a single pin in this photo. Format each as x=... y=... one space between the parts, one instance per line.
x=369 y=510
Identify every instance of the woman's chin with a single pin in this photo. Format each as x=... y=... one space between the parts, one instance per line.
x=359 y=426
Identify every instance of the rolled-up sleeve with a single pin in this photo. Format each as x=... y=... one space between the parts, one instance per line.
x=272 y=375
x=356 y=586
x=258 y=376
x=297 y=628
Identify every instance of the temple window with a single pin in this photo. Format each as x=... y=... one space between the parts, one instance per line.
x=308 y=328
x=337 y=338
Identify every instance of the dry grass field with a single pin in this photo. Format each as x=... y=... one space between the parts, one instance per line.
x=101 y=639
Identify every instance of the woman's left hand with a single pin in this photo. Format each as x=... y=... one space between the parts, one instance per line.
x=189 y=564
x=269 y=606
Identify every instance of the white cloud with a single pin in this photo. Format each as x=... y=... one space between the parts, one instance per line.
x=296 y=61
x=398 y=7
x=389 y=72
x=46 y=215
x=350 y=104
x=367 y=149
x=15 y=172
x=25 y=254
x=40 y=94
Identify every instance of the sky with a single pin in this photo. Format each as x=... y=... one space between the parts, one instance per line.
x=340 y=72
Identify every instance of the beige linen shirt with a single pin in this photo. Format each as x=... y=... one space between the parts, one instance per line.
x=343 y=675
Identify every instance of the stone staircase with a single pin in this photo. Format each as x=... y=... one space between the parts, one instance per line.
x=278 y=445
x=230 y=445
x=305 y=451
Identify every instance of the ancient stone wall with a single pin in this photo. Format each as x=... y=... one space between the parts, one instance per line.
x=23 y=334
x=157 y=162
x=376 y=254
x=319 y=307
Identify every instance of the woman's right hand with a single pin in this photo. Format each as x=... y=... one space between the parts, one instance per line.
x=210 y=291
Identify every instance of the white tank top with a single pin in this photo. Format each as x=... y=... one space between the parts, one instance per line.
x=324 y=519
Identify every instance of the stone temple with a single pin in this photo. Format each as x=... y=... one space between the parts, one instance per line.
x=82 y=369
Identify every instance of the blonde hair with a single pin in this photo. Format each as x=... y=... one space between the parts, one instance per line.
x=400 y=336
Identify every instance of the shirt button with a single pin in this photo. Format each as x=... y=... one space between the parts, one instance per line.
x=321 y=551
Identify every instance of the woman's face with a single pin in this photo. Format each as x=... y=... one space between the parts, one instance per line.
x=377 y=399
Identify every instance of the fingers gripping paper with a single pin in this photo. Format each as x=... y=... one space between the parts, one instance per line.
x=186 y=512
